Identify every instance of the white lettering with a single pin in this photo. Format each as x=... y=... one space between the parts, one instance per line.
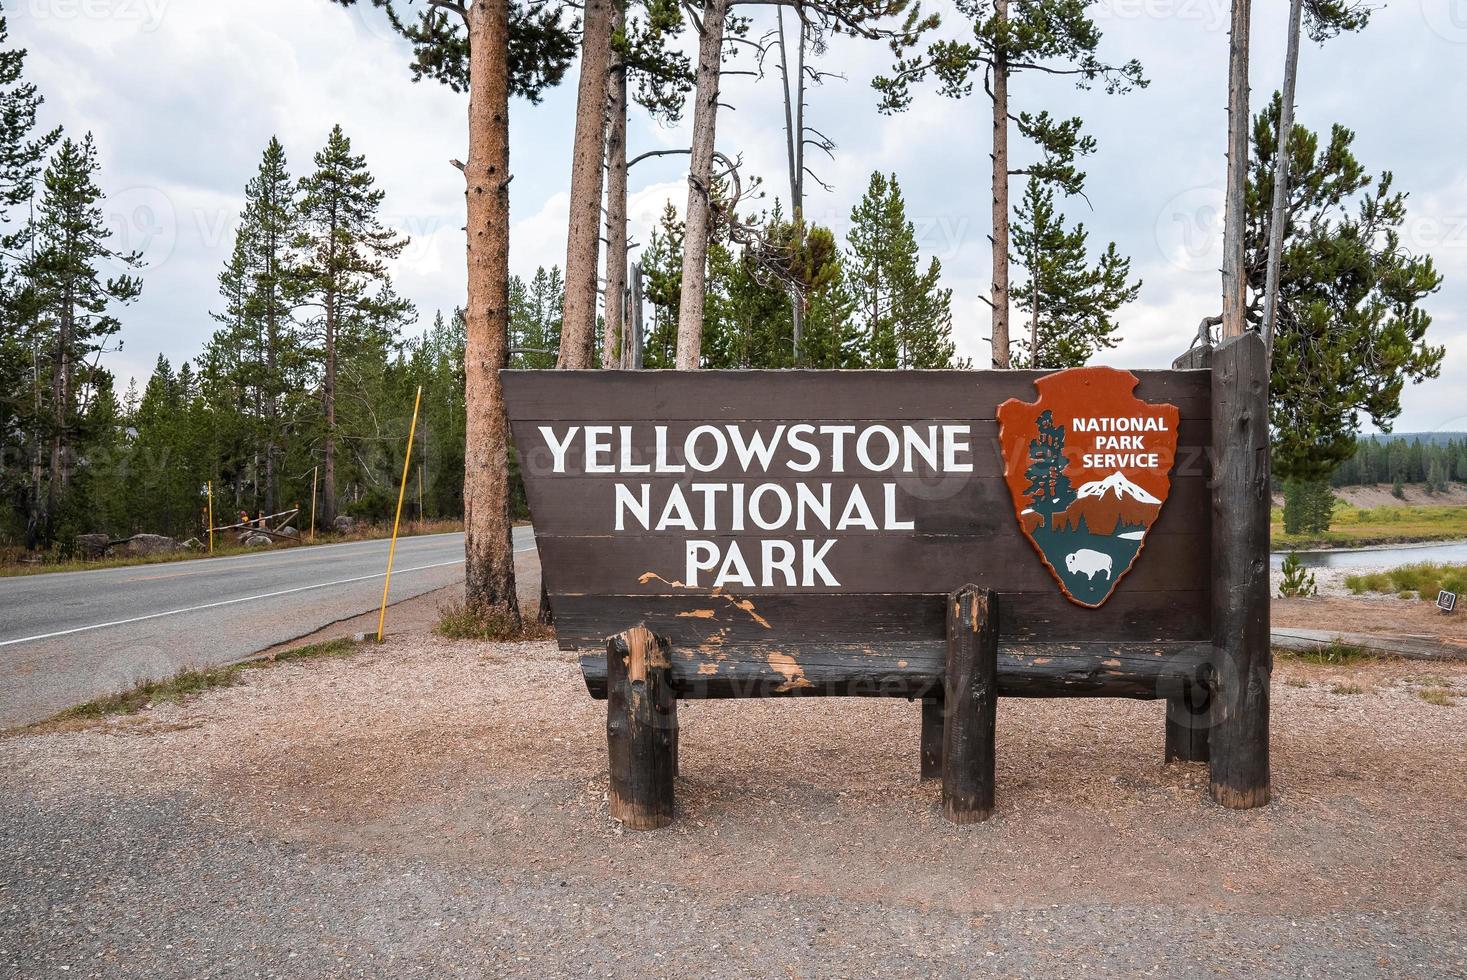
x=598 y=441
x=785 y=564
x=756 y=447
x=720 y=448
x=558 y=449
x=863 y=448
x=641 y=508
x=815 y=564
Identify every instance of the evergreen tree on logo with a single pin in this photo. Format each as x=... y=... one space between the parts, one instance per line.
x=1049 y=489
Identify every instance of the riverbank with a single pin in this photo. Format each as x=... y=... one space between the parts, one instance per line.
x=1358 y=527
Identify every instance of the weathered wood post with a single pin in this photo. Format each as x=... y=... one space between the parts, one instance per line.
x=970 y=703
x=1242 y=659
x=641 y=729
x=1189 y=714
x=1189 y=722
x=932 y=737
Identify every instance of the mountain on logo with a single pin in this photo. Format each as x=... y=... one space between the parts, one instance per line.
x=1106 y=504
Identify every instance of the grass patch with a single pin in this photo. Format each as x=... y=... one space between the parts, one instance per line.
x=343 y=646
x=176 y=689
x=190 y=683
x=1438 y=696
x=1422 y=580
x=467 y=621
x=1347 y=689
x=1333 y=654
x=1359 y=526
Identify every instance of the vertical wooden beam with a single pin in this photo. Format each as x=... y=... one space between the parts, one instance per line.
x=970 y=700
x=1188 y=723
x=641 y=729
x=1243 y=660
x=931 y=737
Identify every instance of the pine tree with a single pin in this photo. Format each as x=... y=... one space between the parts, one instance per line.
x=1055 y=37
x=535 y=319
x=343 y=279
x=829 y=337
x=1352 y=330
x=259 y=287
x=22 y=155
x=75 y=304
x=904 y=315
x=22 y=151
x=1049 y=488
x=662 y=269
x=1070 y=303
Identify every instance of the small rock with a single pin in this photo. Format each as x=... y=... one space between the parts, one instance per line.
x=259 y=541
x=192 y=544
x=344 y=524
x=288 y=530
x=92 y=545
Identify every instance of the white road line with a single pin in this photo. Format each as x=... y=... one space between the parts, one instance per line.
x=223 y=602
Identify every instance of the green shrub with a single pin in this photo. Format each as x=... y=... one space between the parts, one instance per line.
x=1422 y=580
x=1298 y=581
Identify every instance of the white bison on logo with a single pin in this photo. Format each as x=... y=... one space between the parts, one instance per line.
x=1088 y=562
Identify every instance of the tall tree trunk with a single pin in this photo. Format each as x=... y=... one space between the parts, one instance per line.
x=700 y=181
x=1277 y=217
x=328 y=397
x=1234 y=278
x=999 y=297
x=488 y=551
x=1034 y=360
x=794 y=129
x=616 y=203
x=60 y=403
x=583 y=241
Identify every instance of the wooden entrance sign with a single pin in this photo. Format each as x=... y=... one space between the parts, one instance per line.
x=788 y=533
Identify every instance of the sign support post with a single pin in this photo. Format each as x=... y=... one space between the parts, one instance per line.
x=407 y=460
x=1242 y=657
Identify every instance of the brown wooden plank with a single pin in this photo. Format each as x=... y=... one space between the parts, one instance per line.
x=613 y=395
x=693 y=621
x=905 y=668
x=978 y=507
x=918 y=563
x=536 y=459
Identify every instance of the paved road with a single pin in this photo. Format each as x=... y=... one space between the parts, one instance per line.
x=68 y=637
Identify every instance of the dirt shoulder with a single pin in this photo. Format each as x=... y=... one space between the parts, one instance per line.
x=1384 y=614
x=442 y=806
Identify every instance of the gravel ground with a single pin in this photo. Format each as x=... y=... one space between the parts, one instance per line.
x=438 y=809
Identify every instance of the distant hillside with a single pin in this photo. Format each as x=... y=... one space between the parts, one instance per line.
x=1426 y=438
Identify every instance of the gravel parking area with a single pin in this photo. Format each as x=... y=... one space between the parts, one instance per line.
x=439 y=809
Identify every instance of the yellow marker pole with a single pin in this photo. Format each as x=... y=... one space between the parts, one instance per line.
x=407 y=459
x=314 y=473
x=211 y=516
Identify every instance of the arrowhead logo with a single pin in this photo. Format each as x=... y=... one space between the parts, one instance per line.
x=1088 y=467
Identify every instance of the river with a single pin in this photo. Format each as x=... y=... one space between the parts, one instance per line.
x=1388 y=556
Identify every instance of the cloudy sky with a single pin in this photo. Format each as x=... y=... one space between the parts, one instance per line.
x=182 y=96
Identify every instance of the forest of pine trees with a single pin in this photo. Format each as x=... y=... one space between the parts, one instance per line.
x=1433 y=462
